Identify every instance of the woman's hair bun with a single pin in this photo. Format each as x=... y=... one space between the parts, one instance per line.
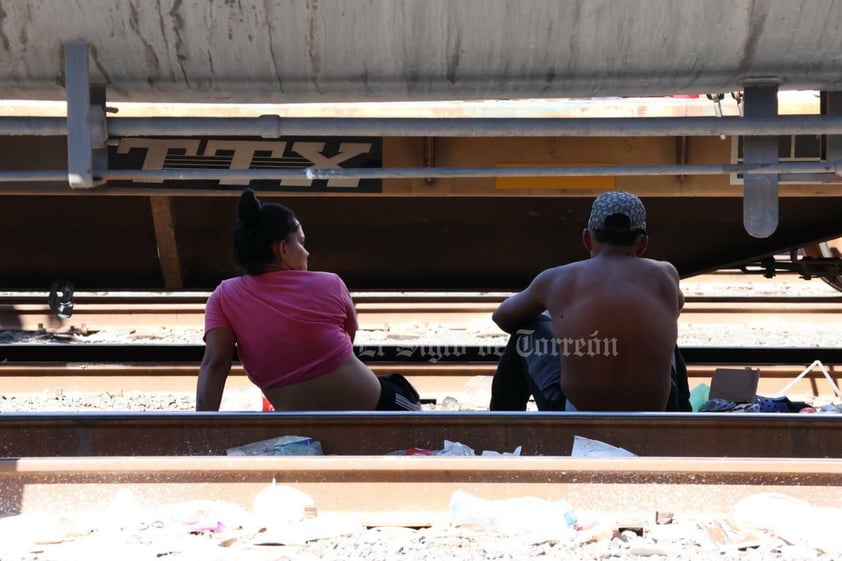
x=259 y=225
x=248 y=212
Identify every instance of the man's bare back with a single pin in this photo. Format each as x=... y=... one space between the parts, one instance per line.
x=616 y=320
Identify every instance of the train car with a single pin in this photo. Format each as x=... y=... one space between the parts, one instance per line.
x=435 y=145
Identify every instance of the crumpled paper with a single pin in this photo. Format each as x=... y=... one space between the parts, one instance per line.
x=597 y=449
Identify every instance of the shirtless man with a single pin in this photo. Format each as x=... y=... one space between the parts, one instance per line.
x=598 y=334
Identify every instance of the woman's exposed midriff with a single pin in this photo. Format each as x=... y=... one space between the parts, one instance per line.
x=351 y=386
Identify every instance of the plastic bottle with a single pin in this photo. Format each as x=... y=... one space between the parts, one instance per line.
x=520 y=515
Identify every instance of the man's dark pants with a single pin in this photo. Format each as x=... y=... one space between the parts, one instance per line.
x=530 y=366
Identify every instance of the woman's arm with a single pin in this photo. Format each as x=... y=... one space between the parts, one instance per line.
x=216 y=364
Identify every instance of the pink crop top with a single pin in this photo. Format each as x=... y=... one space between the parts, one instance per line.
x=290 y=326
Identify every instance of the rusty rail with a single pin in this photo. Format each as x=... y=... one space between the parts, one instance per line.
x=433 y=381
x=409 y=353
x=416 y=490
x=31 y=313
x=760 y=435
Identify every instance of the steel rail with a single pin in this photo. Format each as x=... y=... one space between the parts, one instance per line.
x=416 y=491
x=432 y=353
x=756 y=435
x=434 y=382
x=119 y=298
x=375 y=313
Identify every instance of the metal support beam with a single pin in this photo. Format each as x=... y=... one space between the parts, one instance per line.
x=86 y=126
x=828 y=168
x=831 y=104
x=822 y=178
x=760 y=191
x=243 y=176
x=33 y=176
x=273 y=126
x=33 y=126
x=99 y=129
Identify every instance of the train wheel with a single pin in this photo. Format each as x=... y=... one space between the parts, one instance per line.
x=828 y=249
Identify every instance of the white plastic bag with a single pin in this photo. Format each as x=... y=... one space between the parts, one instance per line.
x=281 y=446
x=791 y=519
x=459 y=449
x=277 y=504
x=521 y=515
x=455 y=449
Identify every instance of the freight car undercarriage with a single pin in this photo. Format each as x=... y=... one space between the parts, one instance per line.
x=402 y=203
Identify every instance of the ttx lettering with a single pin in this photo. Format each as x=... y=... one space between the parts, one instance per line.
x=242 y=154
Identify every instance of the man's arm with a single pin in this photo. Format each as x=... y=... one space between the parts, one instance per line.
x=673 y=272
x=216 y=364
x=523 y=306
x=350 y=324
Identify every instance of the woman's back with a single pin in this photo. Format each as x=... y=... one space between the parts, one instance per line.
x=290 y=326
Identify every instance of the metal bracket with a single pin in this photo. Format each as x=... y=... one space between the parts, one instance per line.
x=681 y=155
x=806 y=267
x=87 y=132
x=760 y=191
x=738 y=97
x=430 y=156
x=717 y=107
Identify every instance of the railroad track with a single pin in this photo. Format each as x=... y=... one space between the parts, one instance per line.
x=695 y=463
x=384 y=311
x=696 y=466
x=415 y=491
x=435 y=382
x=778 y=435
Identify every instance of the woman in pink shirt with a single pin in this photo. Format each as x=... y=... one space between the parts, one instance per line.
x=293 y=328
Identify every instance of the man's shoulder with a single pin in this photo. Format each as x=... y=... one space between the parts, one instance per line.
x=664 y=269
x=636 y=266
x=560 y=272
x=654 y=263
x=663 y=265
x=567 y=267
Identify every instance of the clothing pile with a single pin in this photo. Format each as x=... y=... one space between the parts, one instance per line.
x=763 y=404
